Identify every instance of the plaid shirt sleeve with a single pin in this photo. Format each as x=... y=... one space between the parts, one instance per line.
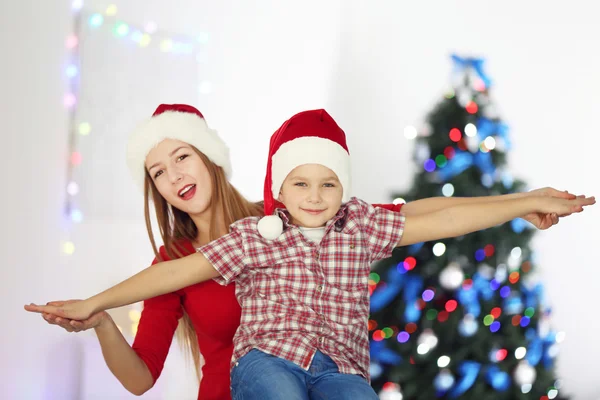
x=226 y=255
x=383 y=229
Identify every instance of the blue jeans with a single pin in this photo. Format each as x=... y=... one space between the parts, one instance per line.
x=259 y=375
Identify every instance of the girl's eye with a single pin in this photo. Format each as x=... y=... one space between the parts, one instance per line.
x=329 y=185
x=182 y=157
x=299 y=184
x=158 y=174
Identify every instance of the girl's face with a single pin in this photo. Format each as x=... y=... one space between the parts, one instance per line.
x=312 y=194
x=180 y=176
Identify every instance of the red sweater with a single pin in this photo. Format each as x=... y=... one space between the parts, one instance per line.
x=215 y=314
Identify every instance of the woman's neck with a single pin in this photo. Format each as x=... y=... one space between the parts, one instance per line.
x=202 y=223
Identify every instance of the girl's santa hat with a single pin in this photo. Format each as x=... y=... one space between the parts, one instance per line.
x=309 y=137
x=174 y=121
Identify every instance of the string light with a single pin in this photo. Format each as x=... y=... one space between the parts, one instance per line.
x=470 y=130
x=520 y=353
x=97 y=22
x=111 y=10
x=448 y=190
x=455 y=134
x=471 y=107
x=403 y=337
x=429 y=165
x=439 y=249
x=410 y=132
x=443 y=361
x=410 y=263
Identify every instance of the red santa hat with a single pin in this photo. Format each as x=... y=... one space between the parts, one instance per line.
x=309 y=137
x=174 y=121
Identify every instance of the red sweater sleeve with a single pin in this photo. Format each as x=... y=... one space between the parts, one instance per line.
x=391 y=207
x=160 y=317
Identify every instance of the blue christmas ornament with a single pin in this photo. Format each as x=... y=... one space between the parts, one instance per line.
x=462 y=64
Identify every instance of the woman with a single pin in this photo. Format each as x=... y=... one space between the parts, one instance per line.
x=182 y=166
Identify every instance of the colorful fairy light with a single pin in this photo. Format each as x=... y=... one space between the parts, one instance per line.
x=428 y=295
x=96 y=20
x=455 y=134
x=520 y=353
x=403 y=337
x=470 y=130
x=111 y=10
x=429 y=165
x=410 y=132
x=448 y=190
x=76 y=5
x=449 y=152
x=451 y=305
x=439 y=249
x=71 y=42
x=410 y=263
x=101 y=21
x=121 y=29
x=443 y=361
x=411 y=327
x=441 y=160
x=471 y=107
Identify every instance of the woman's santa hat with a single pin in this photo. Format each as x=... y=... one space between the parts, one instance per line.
x=174 y=121
x=309 y=137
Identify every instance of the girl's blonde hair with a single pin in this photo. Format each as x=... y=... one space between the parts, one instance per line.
x=226 y=205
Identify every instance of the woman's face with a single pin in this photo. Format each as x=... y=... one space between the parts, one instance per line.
x=180 y=176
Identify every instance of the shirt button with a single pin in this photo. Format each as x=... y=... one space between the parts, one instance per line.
x=321 y=339
x=351 y=245
x=320 y=287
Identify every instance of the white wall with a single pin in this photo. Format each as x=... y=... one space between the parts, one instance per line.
x=377 y=68
x=33 y=149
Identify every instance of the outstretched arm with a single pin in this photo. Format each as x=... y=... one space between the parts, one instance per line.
x=466 y=218
x=153 y=281
x=431 y=204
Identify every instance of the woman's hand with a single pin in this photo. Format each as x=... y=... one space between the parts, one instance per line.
x=71 y=325
x=79 y=310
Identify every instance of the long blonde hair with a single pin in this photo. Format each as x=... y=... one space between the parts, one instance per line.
x=227 y=205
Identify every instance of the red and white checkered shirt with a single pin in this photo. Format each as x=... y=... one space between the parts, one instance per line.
x=298 y=296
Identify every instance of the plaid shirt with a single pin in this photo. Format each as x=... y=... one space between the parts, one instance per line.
x=297 y=296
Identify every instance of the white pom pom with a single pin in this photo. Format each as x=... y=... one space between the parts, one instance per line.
x=270 y=227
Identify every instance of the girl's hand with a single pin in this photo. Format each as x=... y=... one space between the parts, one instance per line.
x=71 y=325
x=543 y=220
x=563 y=207
x=79 y=310
x=551 y=192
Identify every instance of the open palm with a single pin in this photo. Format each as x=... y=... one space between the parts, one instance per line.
x=71 y=325
x=68 y=310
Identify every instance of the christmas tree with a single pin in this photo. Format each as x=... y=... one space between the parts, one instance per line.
x=463 y=318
